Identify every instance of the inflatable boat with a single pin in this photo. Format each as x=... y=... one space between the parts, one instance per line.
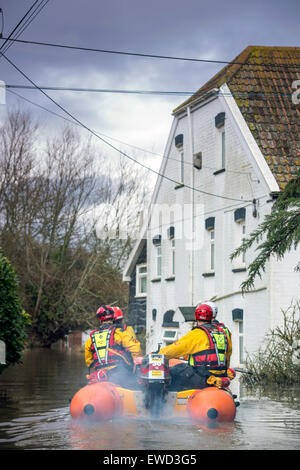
x=104 y=400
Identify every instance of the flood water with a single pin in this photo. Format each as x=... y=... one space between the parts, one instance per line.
x=34 y=414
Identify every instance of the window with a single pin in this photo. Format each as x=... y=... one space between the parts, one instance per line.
x=158 y=260
x=210 y=246
x=169 y=336
x=243 y=236
x=197 y=160
x=172 y=257
x=141 y=280
x=241 y=342
x=212 y=250
x=237 y=317
x=160 y=221
x=223 y=149
x=220 y=136
x=239 y=235
x=179 y=146
x=181 y=173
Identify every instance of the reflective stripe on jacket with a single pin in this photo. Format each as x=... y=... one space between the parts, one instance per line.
x=221 y=325
x=109 y=346
x=214 y=357
x=193 y=342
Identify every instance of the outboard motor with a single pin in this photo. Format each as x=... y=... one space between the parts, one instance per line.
x=155 y=376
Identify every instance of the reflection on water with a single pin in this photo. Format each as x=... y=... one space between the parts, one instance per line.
x=34 y=414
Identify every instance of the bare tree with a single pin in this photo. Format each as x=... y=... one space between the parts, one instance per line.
x=50 y=202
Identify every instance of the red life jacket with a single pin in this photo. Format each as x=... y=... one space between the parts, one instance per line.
x=106 y=352
x=223 y=326
x=213 y=358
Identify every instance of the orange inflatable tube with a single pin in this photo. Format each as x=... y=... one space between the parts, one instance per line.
x=211 y=404
x=99 y=401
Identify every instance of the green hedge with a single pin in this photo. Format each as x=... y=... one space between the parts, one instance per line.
x=13 y=319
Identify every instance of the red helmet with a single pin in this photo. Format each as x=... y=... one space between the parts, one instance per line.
x=204 y=312
x=213 y=306
x=118 y=314
x=105 y=312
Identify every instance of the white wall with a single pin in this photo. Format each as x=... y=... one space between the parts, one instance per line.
x=242 y=181
x=284 y=285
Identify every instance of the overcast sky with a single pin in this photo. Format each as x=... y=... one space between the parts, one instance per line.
x=203 y=29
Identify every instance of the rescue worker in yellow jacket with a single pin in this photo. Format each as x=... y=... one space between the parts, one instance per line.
x=214 y=318
x=109 y=351
x=207 y=348
x=119 y=322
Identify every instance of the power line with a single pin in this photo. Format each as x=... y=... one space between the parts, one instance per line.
x=16 y=27
x=211 y=211
x=9 y=38
x=155 y=56
x=28 y=21
x=147 y=92
x=164 y=157
x=103 y=90
x=109 y=144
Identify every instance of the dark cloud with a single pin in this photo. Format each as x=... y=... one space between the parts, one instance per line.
x=194 y=28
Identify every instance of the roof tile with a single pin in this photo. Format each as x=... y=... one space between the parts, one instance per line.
x=260 y=78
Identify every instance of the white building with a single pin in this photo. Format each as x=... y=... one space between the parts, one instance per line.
x=230 y=151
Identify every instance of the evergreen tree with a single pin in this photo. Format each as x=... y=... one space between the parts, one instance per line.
x=280 y=230
x=12 y=317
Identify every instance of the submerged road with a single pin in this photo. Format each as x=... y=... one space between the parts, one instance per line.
x=34 y=414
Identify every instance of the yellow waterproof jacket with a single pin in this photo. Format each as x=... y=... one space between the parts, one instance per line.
x=193 y=342
x=125 y=338
x=129 y=330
